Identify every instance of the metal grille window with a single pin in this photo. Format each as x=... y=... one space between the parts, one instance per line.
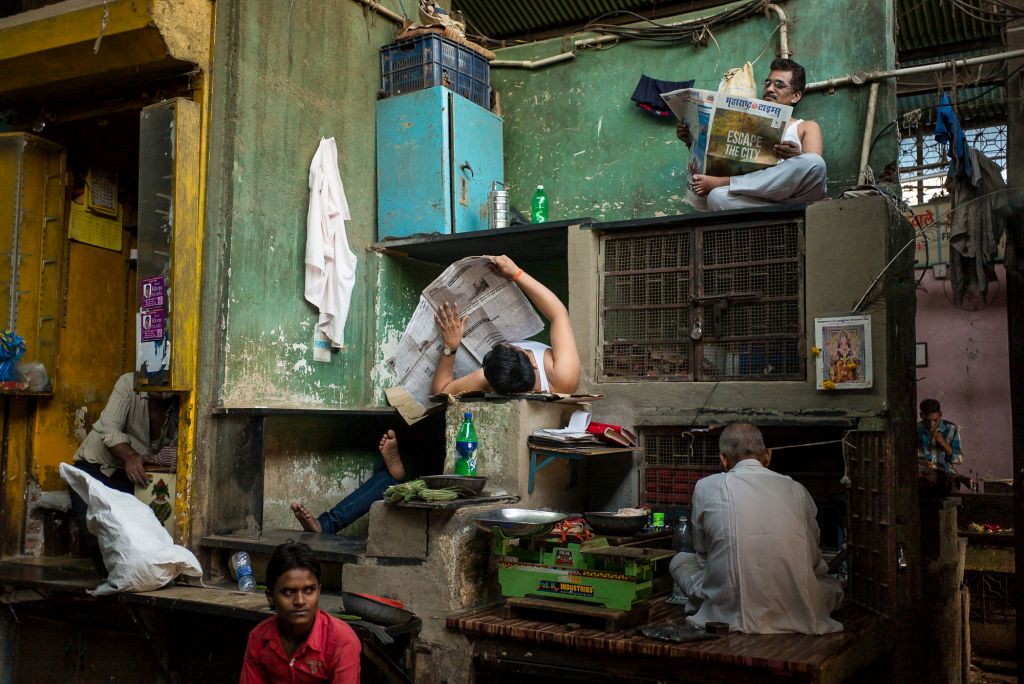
x=673 y=462
x=923 y=162
x=714 y=303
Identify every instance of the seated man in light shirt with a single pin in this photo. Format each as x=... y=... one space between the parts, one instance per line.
x=134 y=428
x=799 y=177
x=757 y=566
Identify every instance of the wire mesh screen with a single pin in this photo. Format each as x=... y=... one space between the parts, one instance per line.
x=751 y=287
x=992 y=597
x=740 y=295
x=647 y=306
x=673 y=462
x=872 y=511
x=924 y=162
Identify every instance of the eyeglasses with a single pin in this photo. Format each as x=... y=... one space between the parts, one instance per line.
x=779 y=84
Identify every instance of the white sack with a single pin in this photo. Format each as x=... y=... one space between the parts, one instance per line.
x=138 y=552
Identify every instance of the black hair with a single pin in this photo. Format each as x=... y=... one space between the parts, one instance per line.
x=929 y=406
x=799 y=74
x=289 y=556
x=508 y=370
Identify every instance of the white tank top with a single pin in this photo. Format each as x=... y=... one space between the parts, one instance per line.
x=538 y=349
x=791 y=134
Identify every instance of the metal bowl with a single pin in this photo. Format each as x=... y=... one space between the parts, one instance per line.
x=465 y=485
x=606 y=522
x=517 y=522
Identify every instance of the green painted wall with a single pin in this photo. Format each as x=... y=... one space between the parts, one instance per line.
x=572 y=126
x=287 y=74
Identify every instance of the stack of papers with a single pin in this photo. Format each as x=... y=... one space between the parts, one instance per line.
x=574 y=433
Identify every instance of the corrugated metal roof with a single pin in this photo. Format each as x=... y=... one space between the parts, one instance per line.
x=518 y=18
x=921 y=24
x=924 y=24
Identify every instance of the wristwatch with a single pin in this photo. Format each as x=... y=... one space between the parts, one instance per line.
x=447 y=351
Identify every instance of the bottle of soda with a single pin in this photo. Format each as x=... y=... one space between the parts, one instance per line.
x=466 y=446
x=539 y=206
x=242 y=566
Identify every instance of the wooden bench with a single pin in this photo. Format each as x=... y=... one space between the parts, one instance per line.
x=535 y=648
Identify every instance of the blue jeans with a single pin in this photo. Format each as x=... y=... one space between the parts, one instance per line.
x=357 y=504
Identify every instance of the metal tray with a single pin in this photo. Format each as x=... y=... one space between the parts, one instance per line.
x=517 y=522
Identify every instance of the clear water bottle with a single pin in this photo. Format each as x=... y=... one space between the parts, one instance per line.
x=466 y=446
x=682 y=537
x=242 y=566
x=539 y=205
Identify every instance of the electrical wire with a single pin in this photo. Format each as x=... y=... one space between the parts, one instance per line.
x=688 y=30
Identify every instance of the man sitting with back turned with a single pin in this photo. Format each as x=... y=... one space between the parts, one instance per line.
x=757 y=565
x=799 y=177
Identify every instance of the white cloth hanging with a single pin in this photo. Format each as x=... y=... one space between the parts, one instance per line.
x=330 y=263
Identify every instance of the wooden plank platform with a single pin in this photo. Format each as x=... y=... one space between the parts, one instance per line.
x=827 y=658
x=568 y=612
x=331 y=548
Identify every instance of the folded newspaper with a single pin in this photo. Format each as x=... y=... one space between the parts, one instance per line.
x=497 y=311
x=731 y=135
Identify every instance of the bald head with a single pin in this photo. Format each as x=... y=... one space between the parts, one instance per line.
x=740 y=441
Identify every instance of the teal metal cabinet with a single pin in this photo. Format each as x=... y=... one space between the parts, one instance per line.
x=437 y=156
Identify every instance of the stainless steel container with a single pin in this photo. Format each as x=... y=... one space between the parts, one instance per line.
x=497 y=206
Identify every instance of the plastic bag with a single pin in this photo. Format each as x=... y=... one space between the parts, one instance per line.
x=34 y=373
x=138 y=552
x=739 y=82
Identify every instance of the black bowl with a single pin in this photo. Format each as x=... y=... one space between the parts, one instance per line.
x=374 y=611
x=466 y=485
x=606 y=522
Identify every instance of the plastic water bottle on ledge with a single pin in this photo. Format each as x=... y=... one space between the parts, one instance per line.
x=466 y=446
x=242 y=566
x=539 y=205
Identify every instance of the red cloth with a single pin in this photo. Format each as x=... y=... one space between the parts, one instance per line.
x=330 y=654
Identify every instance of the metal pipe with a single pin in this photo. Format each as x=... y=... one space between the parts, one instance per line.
x=535 y=64
x=783 y=29
x=382 y=11
x=872 y=76
x=869 y=129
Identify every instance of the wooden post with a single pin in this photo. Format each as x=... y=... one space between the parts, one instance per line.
x=1015 y=285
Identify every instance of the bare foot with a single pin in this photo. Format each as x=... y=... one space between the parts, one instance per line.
x=389 y=450
x=305 y=518
x=702 y=184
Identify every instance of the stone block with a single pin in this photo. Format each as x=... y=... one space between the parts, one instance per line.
x=397 y=532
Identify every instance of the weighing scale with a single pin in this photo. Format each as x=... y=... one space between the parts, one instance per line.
x=534 y=563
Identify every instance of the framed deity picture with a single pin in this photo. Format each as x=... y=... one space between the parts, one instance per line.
x=843 y=350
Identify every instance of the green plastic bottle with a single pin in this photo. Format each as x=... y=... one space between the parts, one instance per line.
x=539 y=206
x=466 y=446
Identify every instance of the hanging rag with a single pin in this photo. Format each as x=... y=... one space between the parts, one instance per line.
x=330 y=264
x=949 y=132
x=648 y=92
x=979 y=212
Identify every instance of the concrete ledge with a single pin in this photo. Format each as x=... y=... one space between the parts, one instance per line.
x=397 y=532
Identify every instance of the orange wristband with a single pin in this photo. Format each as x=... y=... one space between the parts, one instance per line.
x=518 y=275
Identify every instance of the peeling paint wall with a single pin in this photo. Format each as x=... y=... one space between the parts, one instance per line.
x=289 y=74
x=573 y=127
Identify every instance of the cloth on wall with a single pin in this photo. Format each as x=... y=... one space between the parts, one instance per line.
x=979 y=215
x=330 y=263
x=648 y=92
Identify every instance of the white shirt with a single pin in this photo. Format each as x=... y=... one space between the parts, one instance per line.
x=538 y=349
x=756 y=539
x=125 y=420
x=330 y=264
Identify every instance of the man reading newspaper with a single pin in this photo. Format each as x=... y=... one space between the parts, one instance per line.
x=799 y=176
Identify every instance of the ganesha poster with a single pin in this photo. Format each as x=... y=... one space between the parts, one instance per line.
x=842 y=347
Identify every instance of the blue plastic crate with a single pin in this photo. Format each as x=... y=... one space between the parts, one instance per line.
x=430 y=60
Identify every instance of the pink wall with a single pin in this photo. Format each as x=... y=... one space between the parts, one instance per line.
x=968 y=372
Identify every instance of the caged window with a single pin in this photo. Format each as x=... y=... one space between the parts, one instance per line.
x=711 y=303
